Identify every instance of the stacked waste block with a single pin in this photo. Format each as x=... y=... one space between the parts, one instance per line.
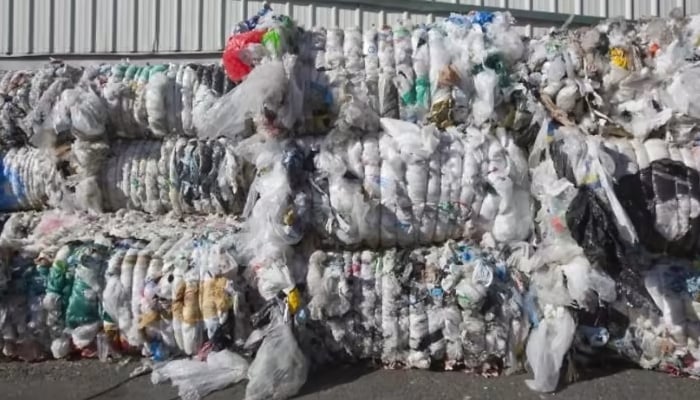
x=448 y=195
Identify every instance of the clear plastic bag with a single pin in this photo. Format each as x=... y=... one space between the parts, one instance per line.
x=196 y=379
x=548 y=344
x=280 y=368
x=261 y=95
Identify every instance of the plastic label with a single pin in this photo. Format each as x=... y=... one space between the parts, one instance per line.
x=437 y=292
x=294 y=300
x=483 y=274
x=618 y=58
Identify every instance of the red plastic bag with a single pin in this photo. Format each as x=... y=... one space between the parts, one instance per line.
x=235 y=67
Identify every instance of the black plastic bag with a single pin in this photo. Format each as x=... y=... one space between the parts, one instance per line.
x=663 y=182
x=592 y=226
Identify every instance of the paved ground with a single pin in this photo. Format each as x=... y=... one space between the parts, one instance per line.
x=89 y=380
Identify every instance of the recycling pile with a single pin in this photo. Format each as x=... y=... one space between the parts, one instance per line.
x=448 y=195
x=161 y=286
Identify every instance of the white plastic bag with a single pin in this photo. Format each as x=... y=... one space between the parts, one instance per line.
x=197 y=379
x=280 y=368
x=547 y=346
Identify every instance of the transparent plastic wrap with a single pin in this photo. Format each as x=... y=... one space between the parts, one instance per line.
x=421 y=66
x=279 y=369
x=547 y=346
x=235 y=114
x=405 y=80
x=89 y=115
x=485 y=84
x=387 y=92
x=197 y=379
x=371 y=57
x=441 y=78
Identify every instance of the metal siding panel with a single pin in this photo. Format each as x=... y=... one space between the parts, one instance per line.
x=62 y=27
x=543 y=5
x=253 y=7
x=642 y=8
x=369 y=19
x=324 y=16
x=104 y=23
x=494 y=3
x=84 y=33
x=593 y=8
x=190 y=33
x=168 y=34
x=567 y=6
x=42 y=26
x=666 y=6
x=302 y=16
x=392 y=18
x=147 y=17
x=419 y=18
x=84 y=26
x=5 y=27
x=616 y=8
x=21 y=36
x=213 y=32
x=519 y=4
x=234 y=14
x=692 y=7
x=125 y=26
x=280 y=7
x=347 y=17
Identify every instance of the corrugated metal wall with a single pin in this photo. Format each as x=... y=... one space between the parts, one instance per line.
x=101 y=27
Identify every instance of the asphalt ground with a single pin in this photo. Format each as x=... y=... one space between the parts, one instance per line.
x=91 y=380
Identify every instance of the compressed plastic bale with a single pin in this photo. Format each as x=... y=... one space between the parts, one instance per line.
x=192 y=324
x=112 y=295
x=371 y=183
x=485 y=85
x=127 y=278
x=391 y=351
x=44 y=134
x=389 y=186
x=387 y=93
x=88 y=115
x=419 y=327
x=135 y=336
x=432 y=198
x=371 y=59
x=352 y=51
x=439 y=61
x=421 y=66
x=188 y=81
